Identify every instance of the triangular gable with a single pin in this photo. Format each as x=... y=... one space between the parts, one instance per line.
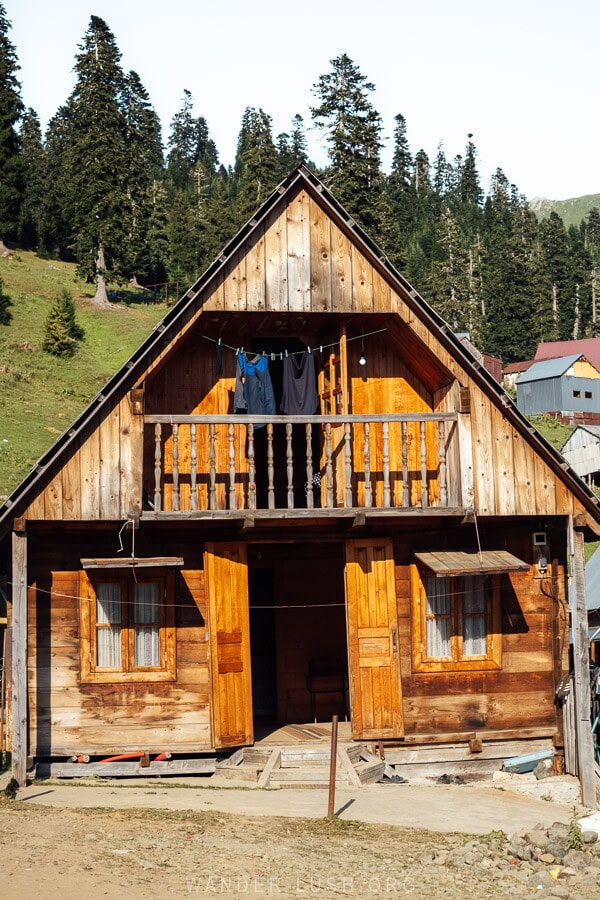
x=317 y=260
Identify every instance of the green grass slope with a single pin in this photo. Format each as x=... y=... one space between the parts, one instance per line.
x=572 y=211
x=41 y=395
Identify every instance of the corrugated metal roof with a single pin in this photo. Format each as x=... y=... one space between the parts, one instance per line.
x=518 y=367
x=592 y=580
x=590 y=347
x=548 y=368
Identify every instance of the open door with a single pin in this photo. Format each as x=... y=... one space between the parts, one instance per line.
x=372 y=619
x=226 y=570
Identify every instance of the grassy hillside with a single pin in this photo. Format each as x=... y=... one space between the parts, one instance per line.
x=555 y=432
x=40 y=395
x=572 y=211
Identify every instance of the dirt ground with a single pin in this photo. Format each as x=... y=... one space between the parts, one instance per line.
x=145 y=853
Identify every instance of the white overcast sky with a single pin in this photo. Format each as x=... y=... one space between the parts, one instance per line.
x=522 y=75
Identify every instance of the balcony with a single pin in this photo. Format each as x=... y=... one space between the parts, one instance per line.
x=205 y=466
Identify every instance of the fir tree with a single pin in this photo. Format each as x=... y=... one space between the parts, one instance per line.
x=555 y=243
x=34 y=189
x=591 y=231
x=400 y=208
x=61 y=331
x=219 y=226
x=352 y=128
x=56 y=229
x=256 y=163
x=448 y=282
x=143 y=165
x=470 y=187
x=97 y=164
x=11 y=110
x=5 y=303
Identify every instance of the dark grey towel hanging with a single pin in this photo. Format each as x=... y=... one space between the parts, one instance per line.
x=300 y=396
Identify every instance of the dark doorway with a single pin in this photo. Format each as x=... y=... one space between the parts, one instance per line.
x=298 y=642
x=262 y=644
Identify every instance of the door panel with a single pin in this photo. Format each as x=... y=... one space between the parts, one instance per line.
x=226 y=570
x=372 y=620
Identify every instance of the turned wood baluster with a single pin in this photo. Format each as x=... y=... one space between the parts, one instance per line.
x=367 y=453
x=176 y=468
x=328 y=466
x=405 y=485
x=386 y=465
x=443 y=482
x=251 y=469
x=348 y=472
x=231 y=431
x=289 y=458
x=212 y=477
x=270 y=468
x=423 y=467
x=310 y=499
x=157 y=466
x=193 y=467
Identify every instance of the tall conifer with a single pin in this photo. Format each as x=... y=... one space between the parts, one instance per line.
x=352 y=128
x=11 y=111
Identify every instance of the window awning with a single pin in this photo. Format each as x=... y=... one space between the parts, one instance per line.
x=137 y=562
x=446 y=563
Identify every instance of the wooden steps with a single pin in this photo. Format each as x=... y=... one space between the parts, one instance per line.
x=301 y=765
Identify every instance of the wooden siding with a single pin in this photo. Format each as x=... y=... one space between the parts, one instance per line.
x=300 y=261
x=66 y=716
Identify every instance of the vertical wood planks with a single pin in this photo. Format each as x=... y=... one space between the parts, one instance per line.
x=341 y=271
x=362 y=282
x=276 y=287
x=235 y=283
x=109 y=465
x=71 y=488
x=19 y=656
x=90 y=477
x=298 y=252
x=320 y=258
x=255 y=271
x=524 y=470
x=131 y=435
x=505 y=474
x=483 y=460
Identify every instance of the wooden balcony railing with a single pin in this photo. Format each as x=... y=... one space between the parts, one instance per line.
x=250 y=463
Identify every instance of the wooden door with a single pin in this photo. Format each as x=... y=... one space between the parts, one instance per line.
x=226 y=570
x=372 y=621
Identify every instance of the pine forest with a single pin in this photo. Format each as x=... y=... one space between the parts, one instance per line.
x=100 y=189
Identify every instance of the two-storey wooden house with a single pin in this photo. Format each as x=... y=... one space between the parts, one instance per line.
x=181 y=570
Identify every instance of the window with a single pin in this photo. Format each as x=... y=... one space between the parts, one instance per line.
x=127 y=627
x=456 y=622
x=577 y=394
x=587 y=395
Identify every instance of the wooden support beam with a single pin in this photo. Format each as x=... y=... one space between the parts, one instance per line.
x=465 y=449
x=19 y=656
x=579 y=625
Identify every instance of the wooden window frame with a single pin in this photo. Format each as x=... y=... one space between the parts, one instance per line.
x=128 y=672
x=421 y=662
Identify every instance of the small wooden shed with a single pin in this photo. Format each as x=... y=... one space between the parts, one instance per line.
x=181 y=573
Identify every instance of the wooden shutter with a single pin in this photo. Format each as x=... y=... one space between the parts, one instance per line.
x=375 y=688
x=226 y=571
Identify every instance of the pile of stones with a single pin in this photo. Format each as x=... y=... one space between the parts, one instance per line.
x=560 y=861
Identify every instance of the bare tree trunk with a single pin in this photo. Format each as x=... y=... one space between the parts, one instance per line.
x=101 y=296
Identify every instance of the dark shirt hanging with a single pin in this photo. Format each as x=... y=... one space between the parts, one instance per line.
x=253 y=389
x=300 y=395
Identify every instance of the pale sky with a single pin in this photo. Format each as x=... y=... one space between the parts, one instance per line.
x=521 y=75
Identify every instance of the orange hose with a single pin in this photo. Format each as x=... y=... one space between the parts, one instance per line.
x=122 y=756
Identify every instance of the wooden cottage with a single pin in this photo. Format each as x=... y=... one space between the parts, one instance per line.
x=182 y=573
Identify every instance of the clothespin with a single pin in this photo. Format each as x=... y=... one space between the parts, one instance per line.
x=237 y=352
x=286 y=354
x=309 y=350
x=219 y=342
x=321 y=348
x=272 y=357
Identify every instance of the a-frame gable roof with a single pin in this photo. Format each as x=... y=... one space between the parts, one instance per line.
x=190 y=305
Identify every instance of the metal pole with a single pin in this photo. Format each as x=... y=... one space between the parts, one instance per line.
x=332 y=765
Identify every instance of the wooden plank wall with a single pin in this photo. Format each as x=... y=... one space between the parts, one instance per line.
x=518 y=696
x=103 y=477
x=68 y=717
x=299 y=260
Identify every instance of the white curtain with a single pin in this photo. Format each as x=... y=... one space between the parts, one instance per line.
x=147 y=624
x=108 y=617
x=474 y=617
x=438 y=627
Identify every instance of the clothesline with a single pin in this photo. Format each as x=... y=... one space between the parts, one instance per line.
x=284 y=353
